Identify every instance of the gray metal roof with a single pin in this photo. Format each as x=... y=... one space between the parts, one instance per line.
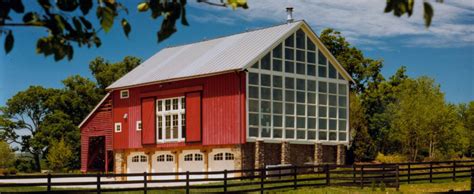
x=213 y=56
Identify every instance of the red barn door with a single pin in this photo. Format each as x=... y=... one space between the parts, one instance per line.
x=193 y=117
x=148 y=121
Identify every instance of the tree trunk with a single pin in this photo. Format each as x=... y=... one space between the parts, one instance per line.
x=36 y=157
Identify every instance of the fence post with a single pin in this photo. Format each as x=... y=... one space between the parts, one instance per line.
x=398 y=177
x=328 y=179
x=353 y=173
x=383 y=173
x=187 y=182
x=472 y=179
x=49 y=181
x=225 y=180
x=409 y=171
x=262 y=179
x=454 y=170
x=98 y=183
x=145 y=182
x=295 y=177
x=431 y=172
x=362 y=176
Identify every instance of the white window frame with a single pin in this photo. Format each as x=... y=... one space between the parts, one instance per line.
x=163 y=113
x=119 y=125
x=122 y=94
x=139 y=126
x=296 y=76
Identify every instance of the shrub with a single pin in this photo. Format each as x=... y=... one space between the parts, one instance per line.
x=394 y=158
x=7 y=157
x=59 y=156
x=373 y=185
x=382 y=186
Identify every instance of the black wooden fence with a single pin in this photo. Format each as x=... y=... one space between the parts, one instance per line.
x=250 y=180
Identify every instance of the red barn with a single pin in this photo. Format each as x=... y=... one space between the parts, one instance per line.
x=270 y=96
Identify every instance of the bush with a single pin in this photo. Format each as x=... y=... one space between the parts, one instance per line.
x=382 y=186
x=59 y=156
x=24 y=164
x=394 y=158
x=7 y=157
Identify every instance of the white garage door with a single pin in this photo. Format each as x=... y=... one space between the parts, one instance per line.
x=137 y=163
x=192 y=161
x=220 y=160
x=163 y=162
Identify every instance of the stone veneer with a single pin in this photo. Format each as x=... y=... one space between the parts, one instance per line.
x=341 y=155
x=119 y=163
x=285 y=153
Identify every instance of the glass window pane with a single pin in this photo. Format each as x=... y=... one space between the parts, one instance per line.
x=266 y=132
x=300 y=55
x=265 y=79
x=253 y=105
x=342 y=137
x=300 y=84
x=289 y=108
x=265 y=62
x=289 y=54
x=322 y=111
x=290 y=41
x=321 y=71
x=300 y=97
x=332 y=100
x=265 y=93
x=322 y=87
x=277 y=81
x=289 y=83
x=300 y=68
x=253 y=92
x=311 y=123
x=277 y=133
x=311 y=110
x=332 y=136
x=255 y=66
x=311 y=98
x=300 y=122
x=300 y=109
x=289 y=121
x=322 y=135
x=332 y=112
x=332 y=88
x=311 y=57
x=332 y=71
x=277 y=94
x=322 y=124
x=309 y=44
x=253 y=132
x=277 y=51
x=332 y=124
x=253 y=119
x=342 y=113
x=312 y=135
x=311 y=85
x=289 y=96
x=277 y=108
x=265 y=105
x=322 y=98
x=290 y=133
x=300 y=39
x=311 y=70
x=266 y=121
x=342 y=125
x=342 y=89
x=277 y=121
x=342 y=101
x=321 y=58
x=277 y=65
x=301 y=134
x=289 y=67
x=253 y=78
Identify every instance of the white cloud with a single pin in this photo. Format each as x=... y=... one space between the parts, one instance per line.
x=363 y=21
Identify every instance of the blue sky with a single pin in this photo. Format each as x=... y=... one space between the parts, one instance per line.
x=444 y=52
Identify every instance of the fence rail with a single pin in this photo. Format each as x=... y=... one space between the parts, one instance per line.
x=250 y=180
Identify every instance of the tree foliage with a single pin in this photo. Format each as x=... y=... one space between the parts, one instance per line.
x=59 y=156
x=106 y=73
x=7 y=157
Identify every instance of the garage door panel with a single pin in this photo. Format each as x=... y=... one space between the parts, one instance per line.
x=220 y=161
x=137 y=163
x=192 y=162
x=163 y=163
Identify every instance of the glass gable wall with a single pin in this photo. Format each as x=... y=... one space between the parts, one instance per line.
x=295 y=93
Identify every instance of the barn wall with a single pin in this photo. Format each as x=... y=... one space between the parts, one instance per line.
x=223 y=110
x=99 y=124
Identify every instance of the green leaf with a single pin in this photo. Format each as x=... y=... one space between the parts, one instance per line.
x=17 y=6
x=106 y=17
x=428 y=13
x=86 y=22
x=67 y=5
x=59 y=21
x=30 y=17
x=9 y=40
x=85 y=6
x=45 y=4
x=126 y=27
x=142 y=7
x=77 y=24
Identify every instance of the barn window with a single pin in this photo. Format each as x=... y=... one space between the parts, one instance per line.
x=143 y=158
x=169 y=158
x=171 y=114
x=160 y=158
x=219 y=156
x=304 y=101
x=188 y=157
x=118 y=127
x=124 y=94
x=139 y=158
x=229 y=156
x=135 y=158
x=164 y=157
x=139 y=125
x=198 y=157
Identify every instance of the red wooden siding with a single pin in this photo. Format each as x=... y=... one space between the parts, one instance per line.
x=193 y=117
x=148 y=121
x=222 y=109
x=99 y=124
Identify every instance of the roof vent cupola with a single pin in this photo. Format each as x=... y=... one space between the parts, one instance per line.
x=289 y=17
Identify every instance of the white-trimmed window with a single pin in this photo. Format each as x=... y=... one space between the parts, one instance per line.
x=139 y=125
x=124 y=94
x=139 y=158
x=296 y=93
x=165 y=157
x=219 y=156
x=170 y=114
x=118 y=127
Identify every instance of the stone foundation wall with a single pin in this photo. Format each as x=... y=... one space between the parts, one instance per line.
x=272 y=153
x=301 y=154
x=329 y=154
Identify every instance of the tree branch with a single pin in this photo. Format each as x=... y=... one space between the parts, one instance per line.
x=22 y=25
x=212 y=3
